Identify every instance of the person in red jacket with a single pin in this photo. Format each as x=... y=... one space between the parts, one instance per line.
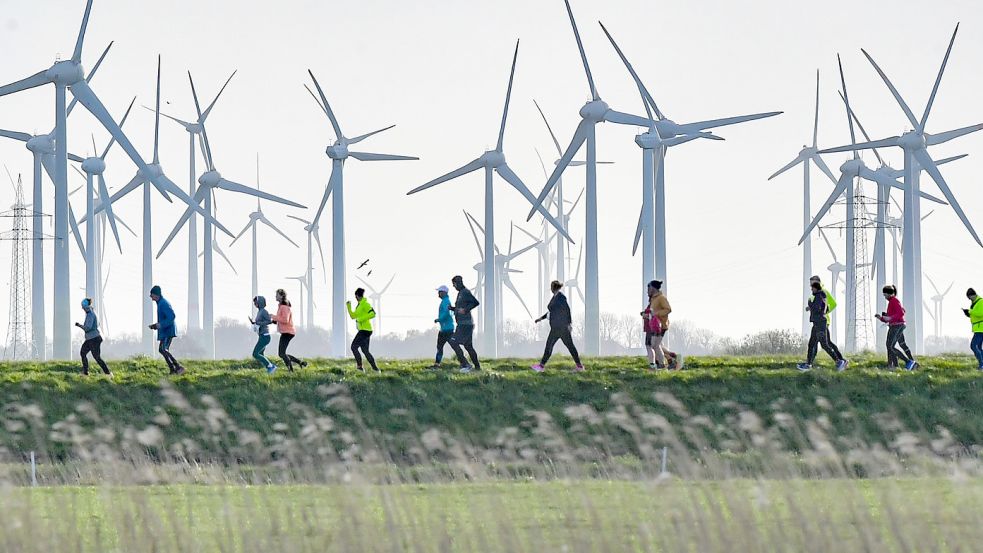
x=894 y=318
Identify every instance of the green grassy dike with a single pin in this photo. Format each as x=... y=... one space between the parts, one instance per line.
x=218 y=409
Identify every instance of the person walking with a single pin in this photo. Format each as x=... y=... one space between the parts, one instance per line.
x=363 y=315
x=284 y=320
x=166 y=327
x=653 y=339
x=661 y=309
x=445 y=335
x=464 y=333
x=830 y=306
x=261 y=325
x=820 y=331
x=93 y=339
x=894 y=319
x=975 y=314
x=561 y=328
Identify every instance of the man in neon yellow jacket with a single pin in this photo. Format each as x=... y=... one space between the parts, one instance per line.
x=975 y=314
x=363 y=315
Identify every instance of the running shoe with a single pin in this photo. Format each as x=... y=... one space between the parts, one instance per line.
x=579 y=368
x=679 y=361
x=841 y=365
x=271 y=368
x=804 y=367
x=465 y=369
x=538 y=367
x=179 y=371
x=911 y=365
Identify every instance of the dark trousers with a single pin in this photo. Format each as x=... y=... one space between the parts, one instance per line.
x=895 y=338
x=446 y=337
x=976 y=344
x=361 y=342
x=560 y=334
x=464 y=336
x=820 y=337
x=288 y=359
x=164 y=348
x=93 y=346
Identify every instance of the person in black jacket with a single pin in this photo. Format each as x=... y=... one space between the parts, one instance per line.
x=820 y=332
x=561 y=326
x=464 y=333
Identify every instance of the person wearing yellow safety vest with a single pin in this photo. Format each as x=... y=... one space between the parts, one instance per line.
x=830 y=306
x=363 y=315
x=975 y=314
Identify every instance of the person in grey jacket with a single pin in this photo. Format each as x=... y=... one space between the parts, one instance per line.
x=93 y=339
x=561 y=326
x=464 y=334
x=262 y=327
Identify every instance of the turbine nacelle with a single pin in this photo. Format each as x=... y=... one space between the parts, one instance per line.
x=492 y=159
x=43 y=144
x=94 y=165
x=337 y=151
x=669 y=129
x=66 y=73
x=210 y=179
x=194 y=128
x=912 y=140
x=852 y=167
x=595 y=110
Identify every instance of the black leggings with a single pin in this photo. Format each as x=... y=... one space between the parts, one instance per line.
x=93 y=346
x=560 y=334
x=895 y=337
x=165 y=351
x=288 y=359
x=361 y=341
x=464 y=336
x=820 y=337
x=445 y=337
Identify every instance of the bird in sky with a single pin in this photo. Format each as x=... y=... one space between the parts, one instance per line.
x=364 y=263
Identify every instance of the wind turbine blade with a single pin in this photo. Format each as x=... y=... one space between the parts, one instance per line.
x=580 y=294
x=583 y=55
x=946 y=293
x=929 y=166
x=576 y=202
x=580 y=258
x=506 y=173
x=508 y=284
x=638 y=232
x=208 y=110
x=943 y=161
x=863 y=131
x=104 y=194
x=364 y=156
x=938 y=80
x=386 y=287
x=157 y=117
x=177 y=228
x=360 y=138
x=622 y=118
x=221 y=254
x=526 y=232
x=226 y=184
x=90 y=76
x=815 y=125
x=305 y=221
x=517 y=253
x=474 y=233
x=883 y=143
x=125 y=226
x=508 y=98
x=878 y=239
x=840 y=188
x=327 y=106
x=22 y=136
x=942 y=137
x=894 y=91
x=248 y=226
x=319 y=104
x=332 y=182
x=77 y=55
x=788 y=166
x=541 y=163
x=559 y=150
x=206 y=147
x=35 y=80
x=714 y=123
x=927 y=215
x=468 y=168
x=320 y=253
x=677 y=140
x=267 y=222
x=829 y=246
x=932 y=282
x=578 y=140
x=647 y=99
x=112 y=139
x=181 y=122
x=921 y=194
x=846 y=99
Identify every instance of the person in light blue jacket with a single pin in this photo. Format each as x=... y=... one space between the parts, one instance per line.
x=166 y=327
x=446 y=333
x=262 y=327
x=93 y=339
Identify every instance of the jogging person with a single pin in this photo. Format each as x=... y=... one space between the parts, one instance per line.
x=284 y=320
x=363 y=315
x=661 y=309
x=975 y=314
x=653 y=339
x=464 y=333
x=445 y=335
x=820 y=331
x=93 y=339
x=261 y=325
x=561 y=328
x=830 y=306
x=166 y=328
x=894 y=318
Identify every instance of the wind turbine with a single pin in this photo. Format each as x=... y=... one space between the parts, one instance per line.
x=255 y=218
x=937 y=300
x=338 y=152
x=492 y=162
x=195 y=132
x=303 y=320
x=210 y=181
x=661 y=134
x=69 y=75
x=376 y=297
x=313 y=235
x=914 y=144
x=808 y=155
x=542 y=265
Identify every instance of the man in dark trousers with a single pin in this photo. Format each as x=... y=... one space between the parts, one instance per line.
x=464 y=333
x=166 y=330
x=820 y=331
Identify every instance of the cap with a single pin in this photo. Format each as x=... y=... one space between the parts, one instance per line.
x=155 y=291
x=442 y=288
x=86 y=303
x=815 y=278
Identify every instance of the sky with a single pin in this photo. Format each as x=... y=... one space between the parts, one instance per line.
x=438 y=70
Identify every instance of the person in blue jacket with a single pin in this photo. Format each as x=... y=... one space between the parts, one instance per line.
x=446 y=333
x=261 y=324
x=166 y=328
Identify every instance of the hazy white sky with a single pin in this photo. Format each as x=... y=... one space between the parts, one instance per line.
x=439 y=69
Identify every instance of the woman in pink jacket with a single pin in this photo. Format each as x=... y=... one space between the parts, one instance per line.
x=894 y=318
x=284 y=320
